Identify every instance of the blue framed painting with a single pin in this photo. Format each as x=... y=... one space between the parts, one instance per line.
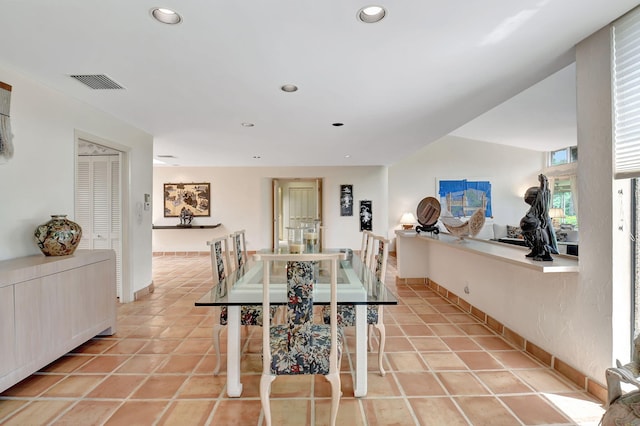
x=462 y=197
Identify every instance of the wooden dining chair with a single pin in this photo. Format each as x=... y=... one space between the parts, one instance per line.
x=250 y=315
x=239 y=248
x=300 y=346
x=377 y=264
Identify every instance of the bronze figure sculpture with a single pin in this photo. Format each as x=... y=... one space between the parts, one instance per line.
x=536 y=227
x=186 y=216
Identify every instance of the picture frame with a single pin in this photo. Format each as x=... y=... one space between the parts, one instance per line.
x=366 y=215
x=194 y=197
x=346 y=200
x=462 y=197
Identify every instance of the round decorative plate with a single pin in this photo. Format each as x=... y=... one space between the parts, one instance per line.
x=428 y=211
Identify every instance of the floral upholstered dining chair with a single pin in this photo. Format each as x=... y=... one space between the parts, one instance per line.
x=366 y=247
x=239 y=248
x=347 y=313
x=249 y=315
x=300 y=346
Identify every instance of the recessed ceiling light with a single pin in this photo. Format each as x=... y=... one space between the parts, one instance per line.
x=289 y=88
x=371 y=14
x=166 y=16
x=337 y=124
x=247 y=124
x=347 y=156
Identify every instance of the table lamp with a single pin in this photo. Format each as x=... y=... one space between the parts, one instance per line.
x=407 y=220
x=556 y=215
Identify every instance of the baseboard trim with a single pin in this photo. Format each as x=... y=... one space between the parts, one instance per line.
x=583 y=381
x=144 y=291
x=181 y=253
x=193 y=253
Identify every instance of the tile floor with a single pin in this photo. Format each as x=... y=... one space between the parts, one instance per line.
x=443 y=368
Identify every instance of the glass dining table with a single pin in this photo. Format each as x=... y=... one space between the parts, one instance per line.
x=357 y=285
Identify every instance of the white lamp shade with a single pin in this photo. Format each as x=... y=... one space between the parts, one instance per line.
x=407 y=219
x=556 y=213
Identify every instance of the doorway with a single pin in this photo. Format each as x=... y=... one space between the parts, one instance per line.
x=295 y=201
x=99 y=202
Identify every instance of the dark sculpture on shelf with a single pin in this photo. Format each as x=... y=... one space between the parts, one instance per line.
x=186 y=216
x=536 y=224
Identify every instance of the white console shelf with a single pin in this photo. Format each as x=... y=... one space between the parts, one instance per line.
x=412 y=247
x=50 y=305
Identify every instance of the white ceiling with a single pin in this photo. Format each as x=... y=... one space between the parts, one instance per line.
x=421 y=73
x=542 y=117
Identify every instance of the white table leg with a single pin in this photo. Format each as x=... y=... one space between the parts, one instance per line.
x=360 y=382
x=234 y=387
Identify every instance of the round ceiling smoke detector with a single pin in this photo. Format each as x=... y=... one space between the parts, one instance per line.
x=289 y=88
x=371 y=14
x=166 y=16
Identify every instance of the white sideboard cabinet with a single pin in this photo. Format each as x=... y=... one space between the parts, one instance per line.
x=50 y=305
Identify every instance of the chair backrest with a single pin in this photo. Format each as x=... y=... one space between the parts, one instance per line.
x=301 y=279
x=365 y=248
x=379 y=257
x=239 y=248
x=220 y=265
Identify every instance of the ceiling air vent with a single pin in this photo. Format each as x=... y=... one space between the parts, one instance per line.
x=97 y=81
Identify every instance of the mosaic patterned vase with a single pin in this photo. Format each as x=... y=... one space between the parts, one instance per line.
x=59 y=236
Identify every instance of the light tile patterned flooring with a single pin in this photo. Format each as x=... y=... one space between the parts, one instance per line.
x=443 y=368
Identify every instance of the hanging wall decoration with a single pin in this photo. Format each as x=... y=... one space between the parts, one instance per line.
x=366 y=215
x=185 y=200
x=6 y=137
x=346 y=200
x=462 y=197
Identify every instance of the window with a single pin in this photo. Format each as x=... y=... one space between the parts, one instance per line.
x=626 y=95
x=563 y=199
x=626 y=138
x=635 y=260
x=563 y=156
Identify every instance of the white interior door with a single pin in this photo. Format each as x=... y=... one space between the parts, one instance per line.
x=294 y=201
x=98 y=206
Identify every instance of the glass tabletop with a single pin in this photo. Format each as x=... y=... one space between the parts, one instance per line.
x=357 y=284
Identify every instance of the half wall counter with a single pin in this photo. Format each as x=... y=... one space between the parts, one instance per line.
x=545 y=308
x=411 y=248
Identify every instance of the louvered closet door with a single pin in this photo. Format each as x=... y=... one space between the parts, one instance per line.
x=302 y=205
x=98 y=206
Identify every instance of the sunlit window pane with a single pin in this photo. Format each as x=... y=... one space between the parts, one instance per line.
x=559 y=157
x=563 y=199
x=563 y=156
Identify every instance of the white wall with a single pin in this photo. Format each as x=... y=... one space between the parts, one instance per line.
x=603 y=320
x=547 y=309
x=511 y=171
x=583 y=320
x=39 y=180
x=241 y=199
